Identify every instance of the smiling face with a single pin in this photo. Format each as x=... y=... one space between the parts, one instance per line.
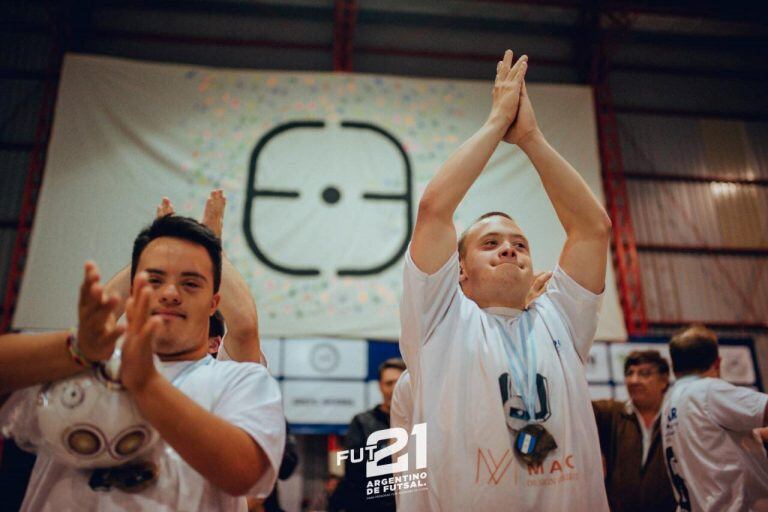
x=496 y=268
x=181 y=277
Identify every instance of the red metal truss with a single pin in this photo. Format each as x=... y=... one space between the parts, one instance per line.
x=625 y=257
x=32 y=186
x=344 y=20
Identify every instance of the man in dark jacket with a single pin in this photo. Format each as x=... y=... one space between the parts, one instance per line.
x=352 y=489
x=630 y=439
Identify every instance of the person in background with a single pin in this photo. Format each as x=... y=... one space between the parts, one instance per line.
x=351 y=495
x=715 y=461
x=630 y=438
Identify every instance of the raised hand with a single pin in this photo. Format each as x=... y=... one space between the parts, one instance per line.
x=165 y=208
x=507 y=87
x=137 y=366
x=538 y=287
x=97 y=329
x=524 y=126
x=213 y=216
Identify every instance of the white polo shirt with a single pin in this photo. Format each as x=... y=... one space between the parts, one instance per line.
x=464 y=389
x=713 y=459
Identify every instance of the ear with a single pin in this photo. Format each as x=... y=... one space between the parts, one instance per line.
x=214 y=303
x=214 y=344
x=462 y=274
x=716 y=365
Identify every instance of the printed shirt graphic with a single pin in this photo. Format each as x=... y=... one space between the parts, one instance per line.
x=244 y=394
x=714 y=461
x=457 y=362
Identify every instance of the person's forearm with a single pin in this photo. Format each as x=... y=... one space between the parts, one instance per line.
x=239 y=311
x=120 y=286
x=29 y=359
x=452 y=181
x=222 y=453
x=576 y=206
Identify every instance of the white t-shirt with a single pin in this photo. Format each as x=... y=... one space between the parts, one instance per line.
x=460 y=373
x=401 y=408
x=401 y=415
x=241 y=393
x=713 y=459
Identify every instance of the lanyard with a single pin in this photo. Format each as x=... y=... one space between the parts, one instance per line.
x=182 y=376
x=528 y=345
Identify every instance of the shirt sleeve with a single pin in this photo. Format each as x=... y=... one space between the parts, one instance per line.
x=735 y=408
x=223 y=355
x=18 y=419
x=401 y=410
x=425 y=302
x=252 y=402
x=578 y=307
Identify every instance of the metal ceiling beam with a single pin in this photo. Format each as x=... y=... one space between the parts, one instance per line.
x=344 y=21
x=687 y=178
x=698 y=114
x=255 y=9
x=711 y=10
x=758 y=252
x=157 y=37
x=759 y=74
x=669 y=324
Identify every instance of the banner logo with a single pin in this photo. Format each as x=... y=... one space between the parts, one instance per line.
x=331 y=195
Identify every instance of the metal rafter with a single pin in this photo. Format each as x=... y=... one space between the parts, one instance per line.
x=344 y=20
x=623 y=244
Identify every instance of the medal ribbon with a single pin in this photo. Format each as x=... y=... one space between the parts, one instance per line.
x=528 y=344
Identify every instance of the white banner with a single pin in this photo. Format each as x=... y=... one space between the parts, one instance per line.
x=326 y=358
x=598 y=367
x=322 y=402
x=322 y=171
x=273 y=351
x=737 y=365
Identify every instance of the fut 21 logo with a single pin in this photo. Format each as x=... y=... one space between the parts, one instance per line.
x=328 y=198
x=387 y=443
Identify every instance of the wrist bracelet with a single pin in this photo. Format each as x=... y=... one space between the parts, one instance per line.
x=75 y=353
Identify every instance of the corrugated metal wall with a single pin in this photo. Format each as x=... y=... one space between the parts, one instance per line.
x=703 y=242
x=23 y=58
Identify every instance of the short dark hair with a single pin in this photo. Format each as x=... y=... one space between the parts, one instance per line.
x=653 y=357
x=185 y=228
x=216 y=325
x=693 y=349
x=463 y=237
x=392 y=362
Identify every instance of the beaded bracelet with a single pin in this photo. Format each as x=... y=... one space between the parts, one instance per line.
x=76 y=354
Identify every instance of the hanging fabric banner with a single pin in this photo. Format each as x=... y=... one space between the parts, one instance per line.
x=322 y=172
